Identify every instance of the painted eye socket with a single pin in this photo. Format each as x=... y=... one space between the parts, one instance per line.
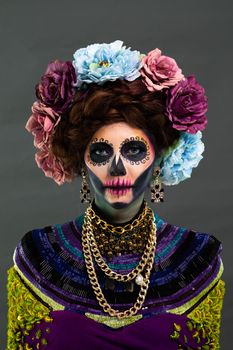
x=100 y=152
x=134 y=150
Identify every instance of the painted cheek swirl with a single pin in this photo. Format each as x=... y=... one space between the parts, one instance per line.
x=100 y=152
x=135 y=150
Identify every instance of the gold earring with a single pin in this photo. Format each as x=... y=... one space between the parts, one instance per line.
x=157 y=192
x=85 y=195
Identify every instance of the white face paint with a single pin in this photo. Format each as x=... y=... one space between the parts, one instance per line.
x=119 y=162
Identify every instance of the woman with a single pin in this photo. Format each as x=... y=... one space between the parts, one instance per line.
x=119 y=276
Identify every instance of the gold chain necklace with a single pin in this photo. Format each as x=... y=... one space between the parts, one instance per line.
x=114 y=275
x=117 y=229
x=146 y=263
x=118 y=240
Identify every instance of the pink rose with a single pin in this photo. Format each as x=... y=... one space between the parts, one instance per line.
x=42 y=123
x=52 y=167
x=159 y=71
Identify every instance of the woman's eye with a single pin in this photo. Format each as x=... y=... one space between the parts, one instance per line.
x=101 y=152
x=133 y=151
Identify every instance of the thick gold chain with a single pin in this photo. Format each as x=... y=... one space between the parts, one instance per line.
x=117 y=229
x=87 y=243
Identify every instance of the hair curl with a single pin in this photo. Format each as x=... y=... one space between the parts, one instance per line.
x=112 y=102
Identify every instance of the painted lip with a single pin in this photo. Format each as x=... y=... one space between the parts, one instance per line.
x=118 y=187
x=118 y=183
x=119 y=191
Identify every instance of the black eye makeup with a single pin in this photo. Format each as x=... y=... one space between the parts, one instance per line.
x=135 y=150
x=100 y=152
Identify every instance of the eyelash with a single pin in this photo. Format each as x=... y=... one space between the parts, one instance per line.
x=134 y=147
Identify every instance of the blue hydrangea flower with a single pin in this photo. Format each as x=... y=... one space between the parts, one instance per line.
x=177 y=163
x=98 y=63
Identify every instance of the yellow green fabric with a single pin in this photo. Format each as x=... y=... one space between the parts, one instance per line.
x=25 y=310
x=208 y=314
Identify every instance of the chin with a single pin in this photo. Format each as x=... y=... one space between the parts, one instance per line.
x=119 y=205
x=118 y=199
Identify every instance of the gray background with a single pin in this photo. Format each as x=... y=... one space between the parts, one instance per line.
x=196 y=33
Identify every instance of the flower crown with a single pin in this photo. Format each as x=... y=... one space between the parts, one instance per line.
x=186 y=103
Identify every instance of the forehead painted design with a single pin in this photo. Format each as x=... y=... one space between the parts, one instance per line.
x=135 y=150
x=100 y=151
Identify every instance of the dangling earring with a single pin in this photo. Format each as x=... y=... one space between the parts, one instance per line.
x=157 y=192
x=85 y=195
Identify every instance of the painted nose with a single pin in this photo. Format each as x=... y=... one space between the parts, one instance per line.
x=117 y=169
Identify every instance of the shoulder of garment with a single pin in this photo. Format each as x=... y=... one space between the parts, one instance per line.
x=187 y=264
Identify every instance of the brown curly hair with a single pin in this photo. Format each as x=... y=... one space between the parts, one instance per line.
x=95 y=106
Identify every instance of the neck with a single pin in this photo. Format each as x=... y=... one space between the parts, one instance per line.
x=122 y=215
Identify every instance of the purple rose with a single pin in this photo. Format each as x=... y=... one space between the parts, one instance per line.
x=187 y=105
x=56 y=88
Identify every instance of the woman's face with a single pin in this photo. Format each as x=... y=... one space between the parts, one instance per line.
x=119 y=160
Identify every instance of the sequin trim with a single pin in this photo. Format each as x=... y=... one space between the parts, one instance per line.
x=113 y=322
x=186 y=306
x=24 y=311
x=55 y=306
x=67 y=244
x=158 y=256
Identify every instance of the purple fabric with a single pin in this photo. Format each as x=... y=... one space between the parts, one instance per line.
x=72 y=331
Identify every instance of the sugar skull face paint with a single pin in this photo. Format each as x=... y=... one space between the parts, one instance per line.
x=101 y=152
x=119 y=162
x=135 y=150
